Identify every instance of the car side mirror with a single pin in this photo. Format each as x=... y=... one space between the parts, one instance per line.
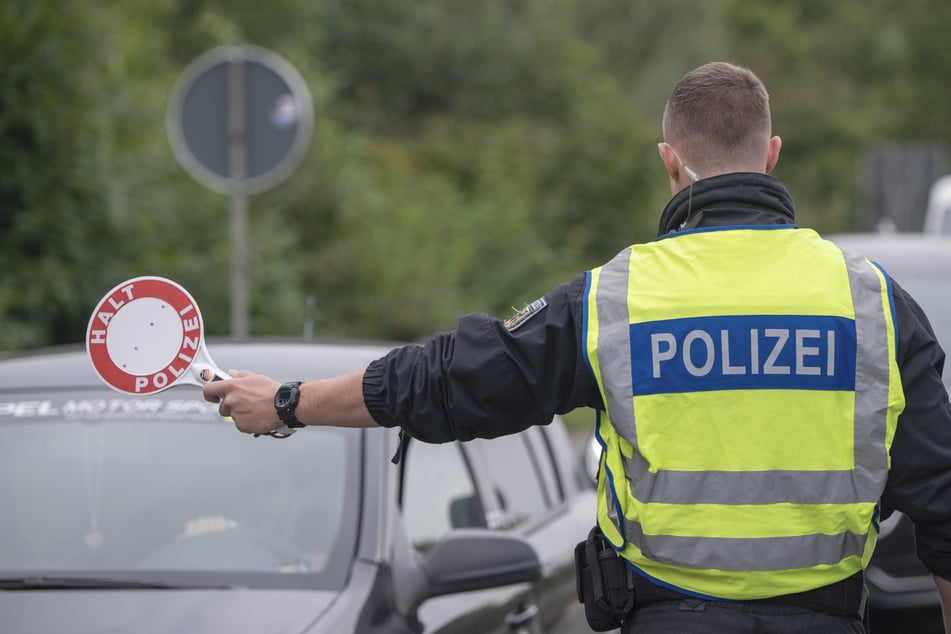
x=475 y=559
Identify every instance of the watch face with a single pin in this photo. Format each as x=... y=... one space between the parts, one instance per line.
x=285 y=401
x=284 y=396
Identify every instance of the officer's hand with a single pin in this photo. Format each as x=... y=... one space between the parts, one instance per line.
x=248 y=399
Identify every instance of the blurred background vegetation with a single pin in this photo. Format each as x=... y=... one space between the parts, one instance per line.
x=466 y=156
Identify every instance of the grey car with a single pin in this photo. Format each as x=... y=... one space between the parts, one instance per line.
x=152 y=514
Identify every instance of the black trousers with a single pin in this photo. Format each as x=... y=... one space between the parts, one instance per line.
x=696 y=616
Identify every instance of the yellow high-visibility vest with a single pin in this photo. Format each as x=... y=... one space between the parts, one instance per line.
x=751 y=389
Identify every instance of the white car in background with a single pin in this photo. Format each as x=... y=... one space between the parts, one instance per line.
x=938 y=213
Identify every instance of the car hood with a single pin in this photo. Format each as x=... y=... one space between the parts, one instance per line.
x=165 y=611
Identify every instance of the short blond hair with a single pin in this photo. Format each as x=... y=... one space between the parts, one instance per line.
x=717 y=116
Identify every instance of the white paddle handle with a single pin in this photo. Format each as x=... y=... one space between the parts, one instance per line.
x=205 y=373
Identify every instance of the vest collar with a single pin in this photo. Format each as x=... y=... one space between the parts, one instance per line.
x=745 y=198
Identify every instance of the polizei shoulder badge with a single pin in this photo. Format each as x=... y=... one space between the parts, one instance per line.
x=515 y=321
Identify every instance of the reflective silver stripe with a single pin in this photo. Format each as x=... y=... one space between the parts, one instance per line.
x=745 y=487
x=611 y=502
x=746 y=554
x=872 y=367
x=614 y=344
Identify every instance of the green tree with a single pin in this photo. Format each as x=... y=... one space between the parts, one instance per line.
x=465 y=156
x=53 y=185
x=844 y=77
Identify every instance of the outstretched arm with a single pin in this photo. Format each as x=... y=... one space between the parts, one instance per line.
x=249 y=400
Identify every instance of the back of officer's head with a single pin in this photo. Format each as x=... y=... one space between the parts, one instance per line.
x=717 y=118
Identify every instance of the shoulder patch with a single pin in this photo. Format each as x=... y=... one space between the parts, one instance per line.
x=520 y=317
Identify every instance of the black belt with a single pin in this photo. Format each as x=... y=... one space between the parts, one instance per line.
x=843 y=598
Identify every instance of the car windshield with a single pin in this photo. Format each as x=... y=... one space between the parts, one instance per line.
x=160 y=487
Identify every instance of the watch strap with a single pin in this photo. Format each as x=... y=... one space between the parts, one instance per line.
x=286 y=410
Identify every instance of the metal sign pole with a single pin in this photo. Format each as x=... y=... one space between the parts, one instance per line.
x=239 y=121
x=238 y=162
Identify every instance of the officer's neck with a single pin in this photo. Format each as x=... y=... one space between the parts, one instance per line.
x=744 y=198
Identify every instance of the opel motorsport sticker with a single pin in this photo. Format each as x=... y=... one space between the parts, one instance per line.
x=95 y=409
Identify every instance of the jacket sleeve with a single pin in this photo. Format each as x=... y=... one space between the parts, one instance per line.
x=488 y=377
x=919 y=483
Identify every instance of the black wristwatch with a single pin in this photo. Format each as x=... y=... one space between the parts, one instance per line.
x=285 y=402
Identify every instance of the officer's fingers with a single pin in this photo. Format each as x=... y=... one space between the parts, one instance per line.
x=237 y=374
x=215 y=391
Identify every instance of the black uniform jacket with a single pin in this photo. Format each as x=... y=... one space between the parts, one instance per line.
x=485 y=379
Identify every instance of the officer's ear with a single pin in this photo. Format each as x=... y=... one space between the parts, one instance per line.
x=772 y=154
x=671 y=165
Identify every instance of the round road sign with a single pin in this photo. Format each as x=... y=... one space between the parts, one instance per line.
x=239 y=119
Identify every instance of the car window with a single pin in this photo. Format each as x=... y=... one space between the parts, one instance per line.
x=438 y=493
x=542 y=459
x=162 y=484
x=513 y=474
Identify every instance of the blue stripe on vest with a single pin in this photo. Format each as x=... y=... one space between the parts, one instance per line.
x=743 y=352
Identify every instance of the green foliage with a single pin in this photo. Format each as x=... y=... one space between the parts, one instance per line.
x=53 y=184
x=465 y=156
x=844 y=76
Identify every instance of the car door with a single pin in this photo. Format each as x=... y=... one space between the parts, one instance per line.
x=532 y=485
x=439 y=494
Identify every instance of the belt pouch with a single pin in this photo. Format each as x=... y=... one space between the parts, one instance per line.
x=604 y=583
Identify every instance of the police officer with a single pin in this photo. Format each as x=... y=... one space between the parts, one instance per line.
x=761 y=395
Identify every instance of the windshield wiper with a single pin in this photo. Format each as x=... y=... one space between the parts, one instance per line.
x=42 y=582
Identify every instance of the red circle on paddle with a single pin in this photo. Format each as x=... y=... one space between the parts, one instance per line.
x=144 y=335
